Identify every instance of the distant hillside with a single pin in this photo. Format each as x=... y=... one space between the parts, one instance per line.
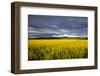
x=60 y=38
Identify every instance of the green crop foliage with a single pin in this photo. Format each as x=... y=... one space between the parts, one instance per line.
x=51 y=49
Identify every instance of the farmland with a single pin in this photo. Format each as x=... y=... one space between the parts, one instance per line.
x=51 y=49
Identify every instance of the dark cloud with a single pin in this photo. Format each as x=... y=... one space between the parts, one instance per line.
x=40 y=25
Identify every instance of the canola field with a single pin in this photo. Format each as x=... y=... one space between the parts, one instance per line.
x=51 y=49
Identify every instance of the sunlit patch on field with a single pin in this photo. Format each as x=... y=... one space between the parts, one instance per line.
x=51 y=49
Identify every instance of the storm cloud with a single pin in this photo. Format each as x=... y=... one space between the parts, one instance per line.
x=57 y=26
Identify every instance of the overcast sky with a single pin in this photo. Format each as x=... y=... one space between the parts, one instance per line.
x=57 y=26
